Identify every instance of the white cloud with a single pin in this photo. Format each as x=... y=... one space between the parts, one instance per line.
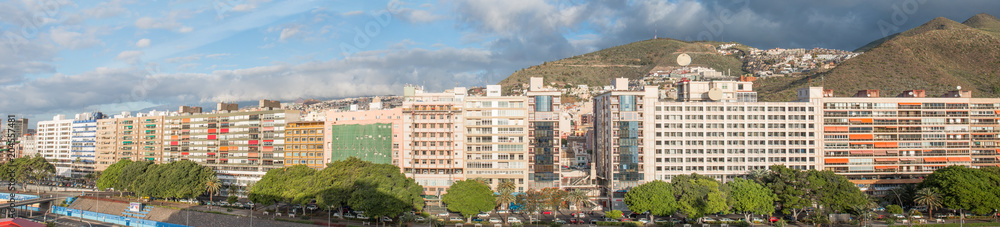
x=288 y=33
x=129 y=56
x=142 y=43
x=352 y=13
x=244 y=7
x=151 y=23
x=216 y=55
x=193 y=57
x=185 y=29
x=73 y=40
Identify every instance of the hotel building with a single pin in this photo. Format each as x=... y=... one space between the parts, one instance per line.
x=497 y=138
x=53 y=142
x=544 y=135
x=884 y=142
x=240 y=145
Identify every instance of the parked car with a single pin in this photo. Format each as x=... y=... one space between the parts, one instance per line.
x=312 y=207
x=708 y=219
x=483 y=215
x=773 y=219
x=559 y=221
x=757 y=220
x=594 y=221
x=445 y=214
x=726 y=220
x=494 y=220
x=386 y=219
x=575 y=221
x=917 y=216
x=420 y=218
x=501 y=211
x=362 y=217
x=513 y=220
x=900 y=216
x=349 y=215
x=644 y=220
x=455 y=219
x=477 y=219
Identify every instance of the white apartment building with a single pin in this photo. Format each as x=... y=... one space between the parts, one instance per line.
x=53 y=141
x=433 y=146
x=496 y=138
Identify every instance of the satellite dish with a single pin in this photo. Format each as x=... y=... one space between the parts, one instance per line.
x=683 y=60
x=958 y=88
x=714 y=94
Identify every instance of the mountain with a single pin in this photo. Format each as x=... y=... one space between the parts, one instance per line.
x=936 y=56
x=632 y=60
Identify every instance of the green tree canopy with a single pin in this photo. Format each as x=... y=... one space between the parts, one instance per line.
x=613 y=214
x=791 y=187
x=469 y=197
x=109 y=178
x=655 y=197
x=130 y=177
x=698 y=195
x=749 y=197
x=277 y=185
x=835 y=192
x=383 y=191
x=894 y=209
x=966 y=188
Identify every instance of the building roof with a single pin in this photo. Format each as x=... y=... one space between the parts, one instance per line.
x=18 y=222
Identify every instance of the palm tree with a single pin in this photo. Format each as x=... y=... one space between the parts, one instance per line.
x=577 y=197
x=505 y=194
x=928 y=197
x=212 y=186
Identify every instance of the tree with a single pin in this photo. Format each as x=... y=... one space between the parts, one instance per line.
x=749 y=197
x=212 y=187
x=276 y=185
x=469 y=197
x=655 y=197
x=613 y=214
x=531 y=201
x=381 y=190
x=894 y=209
x=577 y=197
x=964 y=188
x=335 y=183
x=505 y=194
x=930 y=198
x=554 y=198
x=27 y=168
x=130 y=174
x=698 y=195
x=834 y=192
x=791 y=187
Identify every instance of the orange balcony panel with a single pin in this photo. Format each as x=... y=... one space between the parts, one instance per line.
x=836 y=161
x=886 y=167
x=886 y=159
x=861 y=136
x=959 y=159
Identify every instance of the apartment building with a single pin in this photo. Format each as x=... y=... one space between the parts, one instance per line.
x=20 y=127
x=53 y=142
x=373 y=135
x=82 y=146
x=623 y=126
x=26 y=146
x=304 y=144
x=496 y=139
x=545 y=135
x=105 y=142
x=433 y=142
x=240 y=145
x=884 y=142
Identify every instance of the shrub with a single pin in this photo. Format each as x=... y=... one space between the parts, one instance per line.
x=229 y=209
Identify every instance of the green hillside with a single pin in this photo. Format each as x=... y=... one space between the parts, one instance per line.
x=936 y=57
x=631 y=60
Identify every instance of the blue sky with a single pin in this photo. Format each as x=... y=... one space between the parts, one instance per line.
x=66 y=57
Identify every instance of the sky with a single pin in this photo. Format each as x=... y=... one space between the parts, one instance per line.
x=67 y=57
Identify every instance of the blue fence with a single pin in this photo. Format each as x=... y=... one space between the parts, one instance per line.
x=114 y=219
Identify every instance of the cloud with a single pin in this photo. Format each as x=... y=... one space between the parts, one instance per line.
x=185 y=29
x=217 y=55
x=142 y=43
x=380 y=73
x=73 y=40
x=244 y=7
x=193 y=57
x=129 y=56
x=151 y=23
x=352 y=13
x=289 y=32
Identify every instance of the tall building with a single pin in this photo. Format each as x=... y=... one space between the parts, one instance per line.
x=883 y=142
x=124 y=136
x=433 y=146
x=496 y=139
x=27 y=146
x=544 y=135
x=304 y=144
x=83 y=140
x=240 y=145
x=373 y=135
x=623 y=127
x=20 y=128
x=53 y=142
